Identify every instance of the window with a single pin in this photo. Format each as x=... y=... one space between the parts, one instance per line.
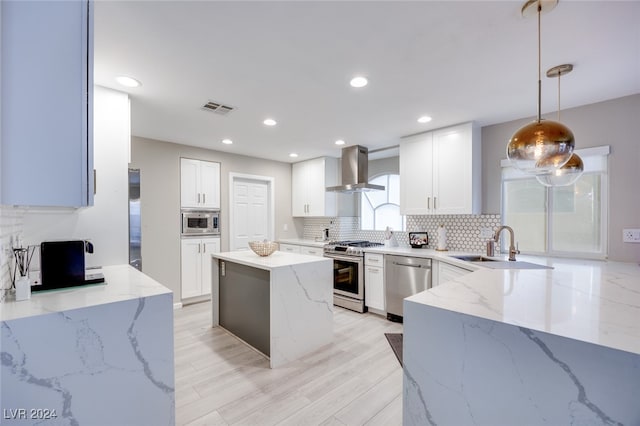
x=564 y=221
x=379 y=209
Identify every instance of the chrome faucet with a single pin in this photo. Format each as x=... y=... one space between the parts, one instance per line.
x=512 y=248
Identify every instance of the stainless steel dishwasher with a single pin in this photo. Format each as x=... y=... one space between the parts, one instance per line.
x=404 y=277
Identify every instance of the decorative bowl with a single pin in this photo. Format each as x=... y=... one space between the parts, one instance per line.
x=263 y=248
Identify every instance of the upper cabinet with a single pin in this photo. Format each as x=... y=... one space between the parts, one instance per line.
x=199 y=184
x=309 y=180
x=440 y=172
x=47 y=103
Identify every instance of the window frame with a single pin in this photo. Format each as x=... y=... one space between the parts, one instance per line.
x=601 y=151
x=363 y=195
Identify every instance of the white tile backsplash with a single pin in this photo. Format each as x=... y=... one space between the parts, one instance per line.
x=463 y=231
x=11 y=227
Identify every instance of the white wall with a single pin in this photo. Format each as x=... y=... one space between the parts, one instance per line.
x=159 y=164
x=616 y=123
x=106 y=223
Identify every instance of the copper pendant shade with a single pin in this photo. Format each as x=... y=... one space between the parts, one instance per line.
x=566 y=175
x=543 y=146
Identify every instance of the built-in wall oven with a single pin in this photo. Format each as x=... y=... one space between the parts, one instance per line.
x=200 y=222
x=348 y=273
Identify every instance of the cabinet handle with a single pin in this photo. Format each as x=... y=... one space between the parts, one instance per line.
x=198 y=198
x=428 y=203
x=204 y=199
x=434 y=203
x=198 y=247
x=204 y=248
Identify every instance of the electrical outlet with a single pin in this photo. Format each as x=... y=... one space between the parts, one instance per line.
x=486 y=233
x=631 y=235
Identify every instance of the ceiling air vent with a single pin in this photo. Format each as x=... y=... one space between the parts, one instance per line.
x=218 y=108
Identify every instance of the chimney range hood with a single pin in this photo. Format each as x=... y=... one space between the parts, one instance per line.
x=355 y=171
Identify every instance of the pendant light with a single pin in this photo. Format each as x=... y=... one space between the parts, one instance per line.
x=569 y=173
x=543 y=146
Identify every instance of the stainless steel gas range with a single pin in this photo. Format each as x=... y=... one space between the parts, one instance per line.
x=348 y=272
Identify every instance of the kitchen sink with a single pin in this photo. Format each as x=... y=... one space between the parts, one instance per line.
x=474 y=258
x=500 y=263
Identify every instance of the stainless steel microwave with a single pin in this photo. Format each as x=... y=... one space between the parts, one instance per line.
x=200 y=222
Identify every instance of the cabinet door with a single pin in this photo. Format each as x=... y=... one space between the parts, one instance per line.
x=189 y=182
x=299 y=189
x=320 y=202
x=210 y=184
x=208 y=246
x=447 y=272
x=191 y=264
x=416 y=178
x=452 y=168
x=374 y=287
x=47 y=103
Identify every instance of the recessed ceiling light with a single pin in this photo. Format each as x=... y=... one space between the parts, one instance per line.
x=293 y=155
x=227 y=141
x=424 y=119
x=358 y=81
x=128 y=81
x=270 y=122
x=339 y=142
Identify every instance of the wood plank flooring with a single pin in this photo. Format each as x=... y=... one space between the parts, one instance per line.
x=356 y=380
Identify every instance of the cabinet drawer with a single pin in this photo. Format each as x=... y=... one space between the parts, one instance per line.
x=290 y=248
x=313 y=251
x=374 y=259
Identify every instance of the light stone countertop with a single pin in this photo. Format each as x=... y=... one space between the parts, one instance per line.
x=122 y=282
x=592 y=301
x=278 y=259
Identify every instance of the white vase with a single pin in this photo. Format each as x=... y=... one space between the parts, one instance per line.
x=23 y=288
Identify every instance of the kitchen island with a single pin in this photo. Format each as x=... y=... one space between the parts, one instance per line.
x=526 y=347
x=95 y=354
x=281 y=305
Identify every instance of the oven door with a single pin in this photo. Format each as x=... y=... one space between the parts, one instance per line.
x=348 y=278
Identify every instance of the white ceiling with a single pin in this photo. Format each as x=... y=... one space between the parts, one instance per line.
x=457 y=61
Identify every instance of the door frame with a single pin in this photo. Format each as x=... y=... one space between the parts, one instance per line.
x=270 y=181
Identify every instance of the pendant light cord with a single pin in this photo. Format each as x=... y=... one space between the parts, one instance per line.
x=539 y=65
x=559 y=74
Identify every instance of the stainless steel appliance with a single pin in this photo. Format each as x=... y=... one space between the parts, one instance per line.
x=62 y=264
x=200 y=222
x=355 y=171
x=135 y=228
x=404 y=277
x=348 y=272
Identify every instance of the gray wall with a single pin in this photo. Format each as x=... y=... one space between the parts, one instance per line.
x=159 y=164
x=615 y=123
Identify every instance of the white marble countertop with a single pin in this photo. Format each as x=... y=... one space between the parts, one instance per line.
x=302 y=242
x=591 y=301
x=278 y=259
x=122 y=282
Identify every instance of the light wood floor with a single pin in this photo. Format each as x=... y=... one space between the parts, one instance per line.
x=355 y=380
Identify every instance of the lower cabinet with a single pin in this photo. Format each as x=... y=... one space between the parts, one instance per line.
x=295 y=248
x=374 y=281
x=447 y=272
x=196 y=265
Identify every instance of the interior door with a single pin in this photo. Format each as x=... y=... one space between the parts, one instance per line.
x=251 y=212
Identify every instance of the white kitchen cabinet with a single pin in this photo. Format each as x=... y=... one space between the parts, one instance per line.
x=196 y=265
x=289 y=248
x=302 y=249
x=447 y=272
x=374 y=282
x=47 y=103
x=309 y=180
x=199 y=184
x=440 y=172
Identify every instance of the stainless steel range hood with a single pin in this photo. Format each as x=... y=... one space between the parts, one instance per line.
x=355 y=171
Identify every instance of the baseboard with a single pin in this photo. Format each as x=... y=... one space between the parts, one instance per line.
x=177 y=305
